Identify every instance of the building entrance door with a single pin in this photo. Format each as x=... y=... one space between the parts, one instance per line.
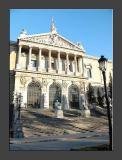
x=54 y=94
x=34 y=95
x=73 y=94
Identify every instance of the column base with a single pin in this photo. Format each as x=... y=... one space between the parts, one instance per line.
x=59 y=71
x=49 y=70
x=66 y=72
x=76 y=73
x=17 y=66
x=39 y=69
x=29 y=67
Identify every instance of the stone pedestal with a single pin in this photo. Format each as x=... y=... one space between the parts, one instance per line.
x=59 y=113
x=85 y=113
x=17 y=131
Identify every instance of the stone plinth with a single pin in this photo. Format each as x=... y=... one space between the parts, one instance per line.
x=85 y=113
x=59 y=113
x=18 y=133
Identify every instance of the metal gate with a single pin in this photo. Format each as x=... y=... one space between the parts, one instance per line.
x=34 y=95
x=73 y=94
x=54 y=94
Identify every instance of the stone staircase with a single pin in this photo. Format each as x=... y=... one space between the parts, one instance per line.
x=42 y=122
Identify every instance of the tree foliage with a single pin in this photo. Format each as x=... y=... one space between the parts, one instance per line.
x=99 y=98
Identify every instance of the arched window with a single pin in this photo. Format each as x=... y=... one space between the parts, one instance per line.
x=54 y=94
x=89 y=75
x=73 y=94
x=34 y=95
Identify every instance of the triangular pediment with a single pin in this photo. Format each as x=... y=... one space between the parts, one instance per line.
x=53 y=39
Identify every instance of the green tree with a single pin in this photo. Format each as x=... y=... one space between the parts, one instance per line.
x=99 y=98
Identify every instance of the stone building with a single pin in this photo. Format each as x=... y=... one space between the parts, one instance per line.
x=48 y=67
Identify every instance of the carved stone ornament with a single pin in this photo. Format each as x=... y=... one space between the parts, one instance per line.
x=53 y=39
x=22 y=80
x=44 y=82
x=33 y=79
x=72 y=82
x=64 y=84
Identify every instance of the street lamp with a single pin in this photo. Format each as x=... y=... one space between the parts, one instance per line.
x=19 y=105
x=102 y=66
x=18 y=133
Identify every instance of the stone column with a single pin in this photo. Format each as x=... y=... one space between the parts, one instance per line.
x=18 y=58
x=49 y=63
x=29 y=58
x=39 y=59
x=75 y=65
x=64 y=98
x=67 y=63
x=80 y=65
x=59 y=66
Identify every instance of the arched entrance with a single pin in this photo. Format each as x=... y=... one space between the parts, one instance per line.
x=34 y=95
x=73 y=95
x=54 y=94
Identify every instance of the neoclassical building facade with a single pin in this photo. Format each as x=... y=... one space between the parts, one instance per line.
x=48 y=67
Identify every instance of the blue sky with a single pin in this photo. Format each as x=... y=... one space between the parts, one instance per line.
x=91 y=27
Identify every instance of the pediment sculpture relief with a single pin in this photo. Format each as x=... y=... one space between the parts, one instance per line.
x=53 y=39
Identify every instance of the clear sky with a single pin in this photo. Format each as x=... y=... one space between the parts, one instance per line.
x=91 y=27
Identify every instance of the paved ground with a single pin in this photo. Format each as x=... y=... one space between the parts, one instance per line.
x=65 y=142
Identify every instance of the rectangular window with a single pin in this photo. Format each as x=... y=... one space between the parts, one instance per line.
x=53 y=63
x=70 y=66
x=63 y=65
x=46 y=63
x=89 y=73
x=33 y=63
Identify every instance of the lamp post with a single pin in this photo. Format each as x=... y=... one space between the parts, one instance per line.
x=102 y=66
x=19 y=99
x=18 y=133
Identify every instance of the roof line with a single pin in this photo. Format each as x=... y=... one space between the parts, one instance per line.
x=55 y=33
